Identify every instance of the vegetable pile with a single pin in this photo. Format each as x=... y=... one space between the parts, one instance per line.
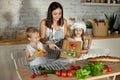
x=92 y=69
x=88 y=69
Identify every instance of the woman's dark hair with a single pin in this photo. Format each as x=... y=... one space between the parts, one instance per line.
x=49 y=19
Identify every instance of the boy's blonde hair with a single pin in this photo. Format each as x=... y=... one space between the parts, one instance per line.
x=31 y=30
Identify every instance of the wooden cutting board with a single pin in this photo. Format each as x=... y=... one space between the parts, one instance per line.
x=66 y=46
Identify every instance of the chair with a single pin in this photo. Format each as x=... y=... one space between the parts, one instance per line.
x=18 y=57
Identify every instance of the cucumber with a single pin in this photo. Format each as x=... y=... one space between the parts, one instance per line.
x=48 y=71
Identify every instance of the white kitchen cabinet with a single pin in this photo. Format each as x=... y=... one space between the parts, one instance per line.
x=7 y=69
x=113 y=44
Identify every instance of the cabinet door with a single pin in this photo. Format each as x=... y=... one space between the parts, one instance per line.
x=7 y=69
x=112 y=44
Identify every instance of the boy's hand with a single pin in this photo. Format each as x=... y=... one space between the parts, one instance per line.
x=44 y=53
x=38 y=52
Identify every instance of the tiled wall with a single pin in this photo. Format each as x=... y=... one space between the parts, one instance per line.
x=19 y=14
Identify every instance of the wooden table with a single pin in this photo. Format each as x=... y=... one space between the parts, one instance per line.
x=25 y=74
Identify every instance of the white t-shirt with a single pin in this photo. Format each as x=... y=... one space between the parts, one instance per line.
x=38 y=60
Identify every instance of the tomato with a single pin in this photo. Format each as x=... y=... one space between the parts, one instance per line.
x=70 y=73
x=105 y=66
x=77 y=67
x=45 y=75
x=73 y=45
x=72 y=67
x=33 y=75
x=109 y=69
x=58 y=72
x=106 y=69
x=64 y=73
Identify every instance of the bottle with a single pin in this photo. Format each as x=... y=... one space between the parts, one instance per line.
x=114 y=2
x=108 y=1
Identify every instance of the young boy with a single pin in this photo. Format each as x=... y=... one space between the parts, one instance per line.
x=35 y=51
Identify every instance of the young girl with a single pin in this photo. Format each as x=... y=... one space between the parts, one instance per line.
x=79 y=29
x=35 y=51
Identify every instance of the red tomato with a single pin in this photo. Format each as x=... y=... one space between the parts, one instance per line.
x=70 y=73
x=72 y=67
x=58 y=72
x=33 y=75
x=45 y=75
x=106 y=69
x=73 y=45
x=77 y=67
x=109 y=69
x=64 y=73
x=105 y=66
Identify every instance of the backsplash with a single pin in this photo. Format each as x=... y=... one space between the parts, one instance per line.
x=19 y=14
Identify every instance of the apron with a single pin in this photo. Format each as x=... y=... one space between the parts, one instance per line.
x=57 y=37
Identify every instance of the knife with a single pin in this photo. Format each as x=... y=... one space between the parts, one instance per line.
x=61 y=50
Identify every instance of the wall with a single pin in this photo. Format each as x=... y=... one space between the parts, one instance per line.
x=19 y=14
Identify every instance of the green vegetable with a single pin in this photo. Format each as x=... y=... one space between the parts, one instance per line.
x=91 y=69
x=48 y=71
x=94 y=68
x=82 y=73
x=42 y=69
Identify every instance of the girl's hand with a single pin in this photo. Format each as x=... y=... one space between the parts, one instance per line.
x=36 y=54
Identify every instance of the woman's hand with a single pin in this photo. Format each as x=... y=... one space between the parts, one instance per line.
x=52 y=46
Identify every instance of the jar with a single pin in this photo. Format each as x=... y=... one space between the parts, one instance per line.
x=97 y=1
x=88 y=0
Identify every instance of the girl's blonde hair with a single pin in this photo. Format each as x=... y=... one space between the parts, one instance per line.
x=30 y=31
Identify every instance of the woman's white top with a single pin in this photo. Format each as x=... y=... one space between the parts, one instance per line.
x=38 y=60
x=55 y=35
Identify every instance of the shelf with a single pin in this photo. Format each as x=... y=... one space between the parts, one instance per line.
x=100 y=4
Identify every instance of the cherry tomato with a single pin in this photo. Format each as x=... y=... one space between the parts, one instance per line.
x=77 y=67
x=109 y=69
x=70 y=73
x=45 y=75
x=72 y=67
x=64 y=73
x=105 y=66
x=106 y=69
x=73 y=45
x=58 y=72
x=33 y=76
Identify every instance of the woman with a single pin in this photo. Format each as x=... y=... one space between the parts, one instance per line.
x=53 y=30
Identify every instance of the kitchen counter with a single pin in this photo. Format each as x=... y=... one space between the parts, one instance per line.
x=13 y=41
x=25 y=41
x=24 y=74
x=108 y=37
